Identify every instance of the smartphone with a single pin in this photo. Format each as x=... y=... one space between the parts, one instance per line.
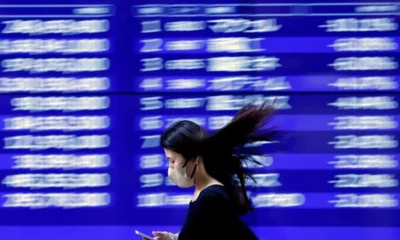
x=144 y=235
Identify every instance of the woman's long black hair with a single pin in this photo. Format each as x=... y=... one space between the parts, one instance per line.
x=223 y=159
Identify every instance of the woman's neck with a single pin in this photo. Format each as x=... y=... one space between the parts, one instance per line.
x=202 y=183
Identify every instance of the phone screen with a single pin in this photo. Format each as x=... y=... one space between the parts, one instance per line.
x=144 y=235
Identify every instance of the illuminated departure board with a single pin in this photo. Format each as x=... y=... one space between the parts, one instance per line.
x=87 y=87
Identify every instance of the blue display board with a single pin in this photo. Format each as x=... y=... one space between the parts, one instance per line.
x=87 y=87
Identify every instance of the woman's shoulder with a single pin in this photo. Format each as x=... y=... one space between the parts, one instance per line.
x=215 y=193
x=212 y=200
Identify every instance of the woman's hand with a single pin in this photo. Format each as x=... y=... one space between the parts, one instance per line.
x=163 y=235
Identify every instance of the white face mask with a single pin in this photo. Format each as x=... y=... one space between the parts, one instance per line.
x=180 y=176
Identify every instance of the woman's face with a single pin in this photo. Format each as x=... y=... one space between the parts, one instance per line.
x=180 y=175
x=175 y=159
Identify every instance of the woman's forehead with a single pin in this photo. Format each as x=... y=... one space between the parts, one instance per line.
x=171 y=154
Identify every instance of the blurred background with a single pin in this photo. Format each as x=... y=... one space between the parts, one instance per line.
x=87 y=87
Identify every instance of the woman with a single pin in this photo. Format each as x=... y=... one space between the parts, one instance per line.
x=212 y=164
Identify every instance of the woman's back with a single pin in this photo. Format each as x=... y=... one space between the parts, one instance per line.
x=212 y=216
